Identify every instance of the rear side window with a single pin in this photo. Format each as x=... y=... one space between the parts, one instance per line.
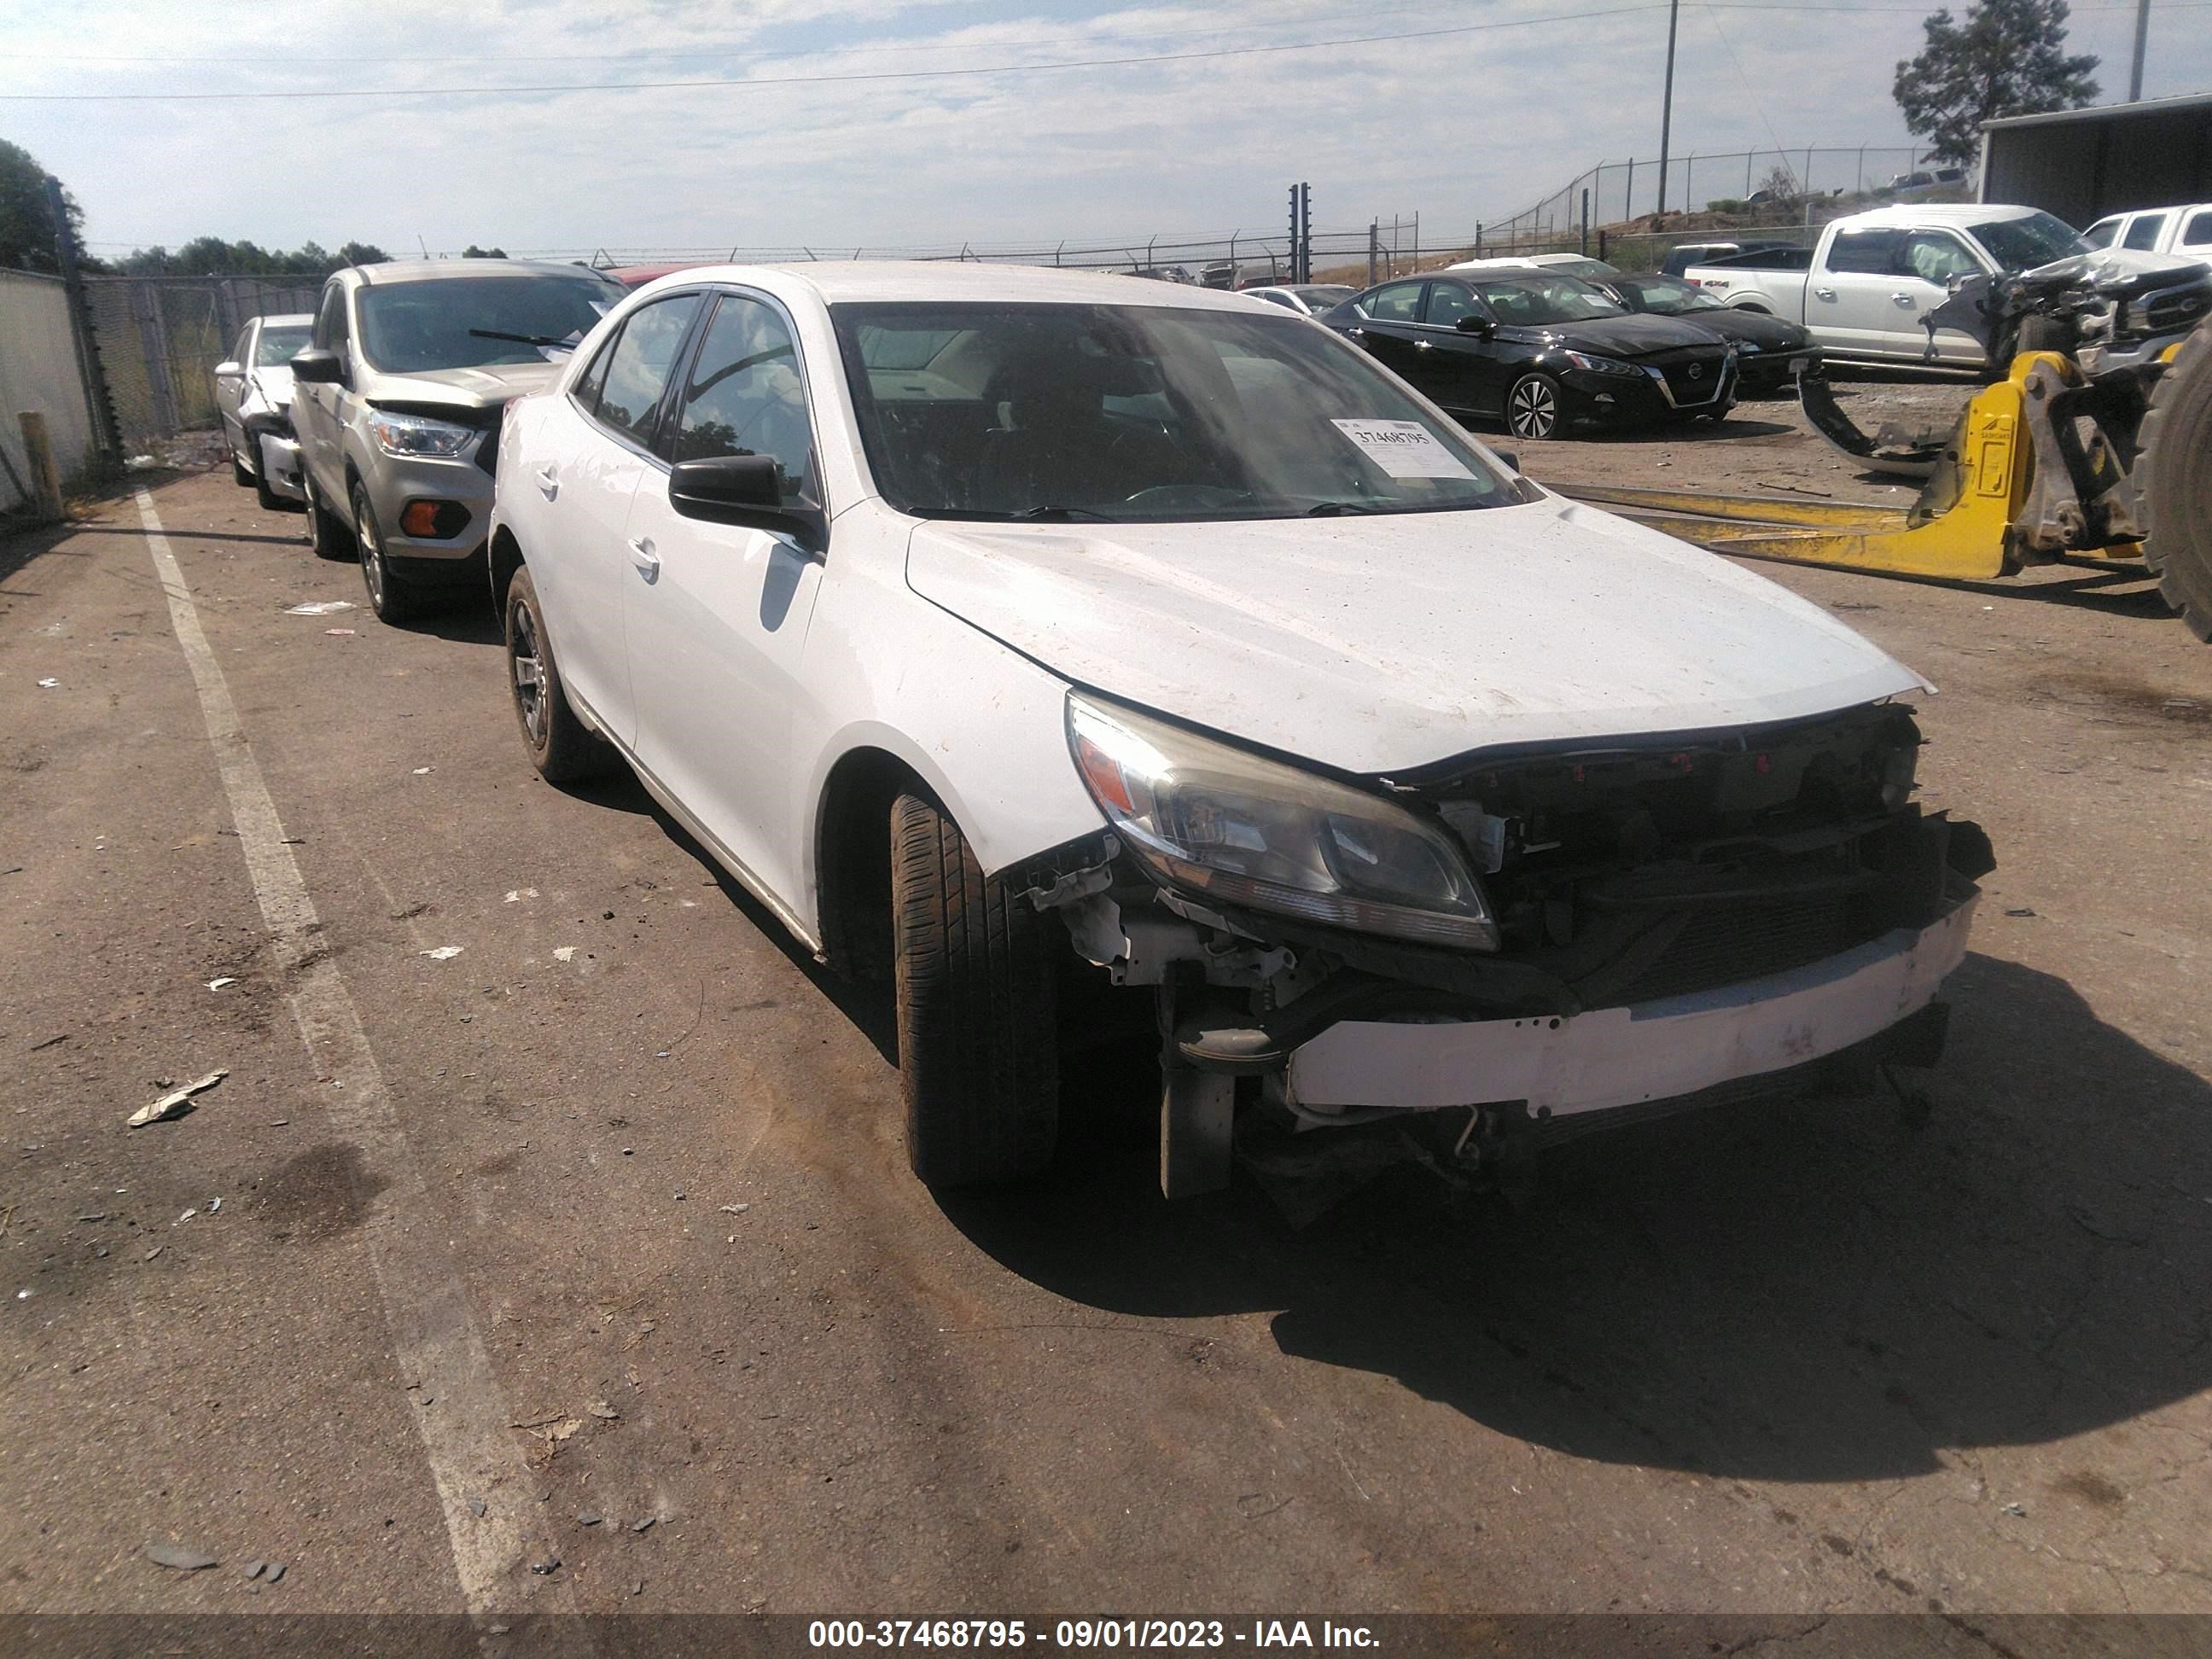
x=745 y=395
x=1872 y=252
x=2143 y=233
x=1401 y=302
x=2197 y=232
x=586 y=389
x=639 y=365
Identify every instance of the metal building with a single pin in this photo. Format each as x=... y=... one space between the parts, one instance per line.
x=2082 y=164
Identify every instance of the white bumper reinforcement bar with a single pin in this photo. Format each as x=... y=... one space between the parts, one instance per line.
x=1657 y=1050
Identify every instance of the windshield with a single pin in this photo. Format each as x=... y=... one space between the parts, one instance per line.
x=278 y=346
x=1532 y=302
x=1581 y=267
x=1664 y=296
x=408 y=327
x=1324 y=297
x=2023 y=243
x=1141 y=413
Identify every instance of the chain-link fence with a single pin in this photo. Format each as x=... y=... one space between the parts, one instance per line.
x=160 y=338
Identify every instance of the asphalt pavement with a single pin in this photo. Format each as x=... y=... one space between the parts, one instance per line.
x=549 y=1244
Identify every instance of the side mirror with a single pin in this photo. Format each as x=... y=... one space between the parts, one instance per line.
x=228 y=369
x=1510 y=459
x=1481 y=327
x=319 y=366
x=745 y=491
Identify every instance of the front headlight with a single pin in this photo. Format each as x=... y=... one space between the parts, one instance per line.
x=1601 y=365
x=417 y=435
x=1212 y=818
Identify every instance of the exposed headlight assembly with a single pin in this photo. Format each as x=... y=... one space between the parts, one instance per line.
x=1601 y=365
x=1213 y=819
x=417 y=435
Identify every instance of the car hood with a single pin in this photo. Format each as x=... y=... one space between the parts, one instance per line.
x=1633 y=336
x=1767 y=333
x=476 y=388
x=1376 y=644
x=275 y=386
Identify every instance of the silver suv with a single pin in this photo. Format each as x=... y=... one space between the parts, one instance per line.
x=397 y=403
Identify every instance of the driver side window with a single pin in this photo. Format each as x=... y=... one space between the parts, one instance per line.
x=1935 y=256
x=1448 y=302
x=744 y=397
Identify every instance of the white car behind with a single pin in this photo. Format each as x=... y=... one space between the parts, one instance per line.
x=253 y=398
x=994 y=626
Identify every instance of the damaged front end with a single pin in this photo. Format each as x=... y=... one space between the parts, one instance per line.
x=1514 y=939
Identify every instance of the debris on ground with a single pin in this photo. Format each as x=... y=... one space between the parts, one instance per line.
x=217 y=984
x=519 y=893
x=735 y=1209
x=50 y=1043
x=155 y=1251
x=254 y=1568
x=589 y=1519
x=601 y=1409
x=644 y=1523
x=213 y=1205
x=181 y=1558
x=175 y=1104
x=2015 y=1509
x=272 y=1572
x=443 y=953
x=319 y=608
x=424 y=771
x=341 y=632
x=476 y=1507
x=48 y=685
x=2021 y=910
x=550 y=1565
x=564 y=953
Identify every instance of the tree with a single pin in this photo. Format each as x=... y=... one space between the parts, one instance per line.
x=473 y=251
x=362 y=253
x=2007 y=57
x=27 y=222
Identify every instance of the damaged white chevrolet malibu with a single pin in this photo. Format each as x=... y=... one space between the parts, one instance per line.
x=987 y=622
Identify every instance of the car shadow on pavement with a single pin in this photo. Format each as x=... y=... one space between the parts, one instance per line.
x=1810 y=1291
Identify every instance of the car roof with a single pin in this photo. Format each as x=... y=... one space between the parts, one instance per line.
x=288 y=320
x=857 y=281
x=418 y=270
x=1946 y=213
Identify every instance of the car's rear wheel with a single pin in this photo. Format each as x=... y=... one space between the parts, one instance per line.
x=561 y=747
x=978 y=1037
x=390 y=595
x=327 y=532
x=1532 y=407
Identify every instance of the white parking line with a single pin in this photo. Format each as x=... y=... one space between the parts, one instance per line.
x=451 y=1393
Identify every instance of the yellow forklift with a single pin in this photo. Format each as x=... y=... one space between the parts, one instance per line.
x=2095 y=448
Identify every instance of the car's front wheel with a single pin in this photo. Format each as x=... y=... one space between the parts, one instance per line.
x=1532 y=407
x=390 y=595
x=240 y=474
x=978 y=1037
x=561 y=747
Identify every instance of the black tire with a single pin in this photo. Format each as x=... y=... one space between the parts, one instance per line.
x=978 y=1037
x=238 y=474
x=561 y=747
x=1532 y=407
x=2174 y=478
x=393 y=597
x=2039 y=334
x=270 y=500
x=327 y=533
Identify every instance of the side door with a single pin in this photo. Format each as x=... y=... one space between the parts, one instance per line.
x=718 y=624
x=314 y=406
x=1467 y=369
x=230 y=389
x=1928 y=262
x=1390 y=315
x=594 y=446
x=1847 y=303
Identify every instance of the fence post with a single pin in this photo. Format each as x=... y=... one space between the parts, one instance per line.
x=45 y=475
x=1478 y=238
x=1374 y=248
x=1585 y=221
x=1600 y=242
x=1748 y=156
x=1628 y=195
x=146 y=311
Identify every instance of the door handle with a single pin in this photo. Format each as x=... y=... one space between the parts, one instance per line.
x=548 y=485
x=1425 y=345
x=643 y=556
x=1357 y=333
x=1905 y=300
x=1824 y=293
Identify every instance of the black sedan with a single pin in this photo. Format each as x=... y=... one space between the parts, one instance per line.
x=1538 y=350
x=1770 y=353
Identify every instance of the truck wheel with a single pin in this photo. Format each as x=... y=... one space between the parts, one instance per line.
x=1532 y=407
x=561 y=747
x=327 y=532
x=391 y=596
x=2175 y=482
x=979 y=1049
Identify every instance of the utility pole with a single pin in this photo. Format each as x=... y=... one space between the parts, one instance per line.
x=2142 y=32
x=1667 y=100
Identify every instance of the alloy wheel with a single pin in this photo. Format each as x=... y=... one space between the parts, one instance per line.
x=1534 y=410
x=529 y=668
x=372 y=562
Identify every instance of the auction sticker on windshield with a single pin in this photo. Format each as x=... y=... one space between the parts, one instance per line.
x=1403 y=449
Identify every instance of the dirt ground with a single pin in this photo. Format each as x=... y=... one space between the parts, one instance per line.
x=599 y=1245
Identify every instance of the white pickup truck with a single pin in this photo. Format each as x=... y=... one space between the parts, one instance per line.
x=1874 y=275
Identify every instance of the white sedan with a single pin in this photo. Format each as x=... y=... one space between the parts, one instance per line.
x=253 y=400
x=986 y=623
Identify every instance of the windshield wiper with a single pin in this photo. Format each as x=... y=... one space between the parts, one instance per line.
x=1340 y=509
x=1035 y=513
x=570 y=339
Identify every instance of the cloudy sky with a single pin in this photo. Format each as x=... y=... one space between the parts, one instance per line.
x=846 y=123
